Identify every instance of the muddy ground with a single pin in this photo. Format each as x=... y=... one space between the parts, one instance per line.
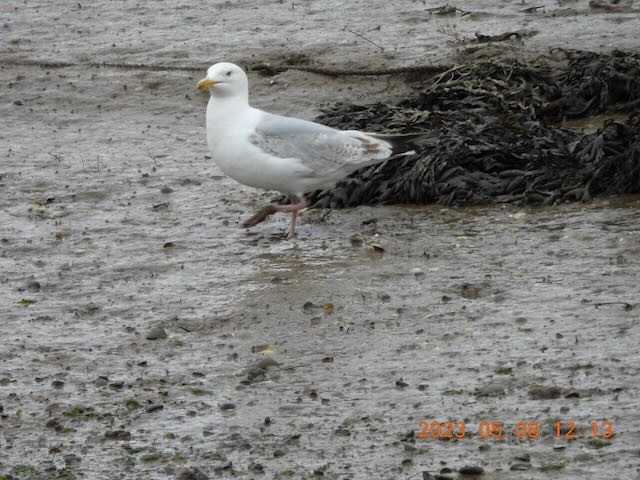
x=317 y=357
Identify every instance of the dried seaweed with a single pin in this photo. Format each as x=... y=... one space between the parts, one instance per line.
x=499 y=135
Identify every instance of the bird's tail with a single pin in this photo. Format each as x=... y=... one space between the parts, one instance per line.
x=405 y=144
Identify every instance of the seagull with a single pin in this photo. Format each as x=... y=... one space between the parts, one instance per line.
x=274 y=152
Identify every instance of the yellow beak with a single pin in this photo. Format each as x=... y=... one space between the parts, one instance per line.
x=205 y=84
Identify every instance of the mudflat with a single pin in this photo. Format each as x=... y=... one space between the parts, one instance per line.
x=145 y=334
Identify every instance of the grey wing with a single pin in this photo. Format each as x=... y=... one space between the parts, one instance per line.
x=320 y=149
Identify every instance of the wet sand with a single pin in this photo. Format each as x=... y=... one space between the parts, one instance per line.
x=116 y=222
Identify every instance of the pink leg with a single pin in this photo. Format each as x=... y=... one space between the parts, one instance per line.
x=297 y=204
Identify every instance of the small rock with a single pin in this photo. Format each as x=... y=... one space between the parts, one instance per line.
x=54 y=424
x=117 y=435
x=154 y=408
x=192 y=473
x=116 y=385
x=228 y=406
x=471 y=470
x=523 y=457
x=262 y=347
x=256 y=468
x=166 y=189
x=401 y=383
x=57 y=384
x=491 y=389
x=101 y=381
x=156 y=333
x=544 y=392
x=71 y=459
x=417 y=272
x=223 y=466
x=520 y=467
x=33 y=287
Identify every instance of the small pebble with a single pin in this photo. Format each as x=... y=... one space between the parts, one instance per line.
x=156 y=333
x=471 y=470
x=117 y=435
x=71 y=459
x=544 y=392
x=192 y=473
x=101 y=381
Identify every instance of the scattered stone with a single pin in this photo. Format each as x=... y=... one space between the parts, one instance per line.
x=262 y=347
x=71 y=459
x=54 y=424
x=57 y=384
x=470 y=292
x=256 y=468
x=544 y=392
x=154 y=408
x=101 y=381
x=491 y=390
x=192 y=473
x=401 y=383
x=156 y=333
x=226 y=465
x=520 y=467
x=117 y=435
x=166 y=189
x=228 y=406
x=33 y=287
x=471 y=470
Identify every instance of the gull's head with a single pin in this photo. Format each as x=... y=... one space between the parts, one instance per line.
x=225 y=80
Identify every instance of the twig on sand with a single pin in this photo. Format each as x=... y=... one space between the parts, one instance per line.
x=626 y=305
x=261 y=67
x=346 y=27
x=339 y=72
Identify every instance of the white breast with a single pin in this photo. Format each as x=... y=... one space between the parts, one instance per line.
x=229 y=126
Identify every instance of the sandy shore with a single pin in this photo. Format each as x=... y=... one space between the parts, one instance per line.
x=317 y=357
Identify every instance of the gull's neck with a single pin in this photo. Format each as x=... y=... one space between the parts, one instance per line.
x=237 y=100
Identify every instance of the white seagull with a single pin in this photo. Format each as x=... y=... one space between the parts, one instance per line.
x=273 y=152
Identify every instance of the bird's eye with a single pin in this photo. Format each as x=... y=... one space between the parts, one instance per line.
x=228 y=74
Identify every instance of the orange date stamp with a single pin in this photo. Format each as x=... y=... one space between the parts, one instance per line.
x=521 y=430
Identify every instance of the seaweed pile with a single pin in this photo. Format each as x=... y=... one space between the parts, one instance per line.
x=500 y=136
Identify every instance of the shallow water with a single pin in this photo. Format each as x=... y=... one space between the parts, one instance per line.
x=470 y=308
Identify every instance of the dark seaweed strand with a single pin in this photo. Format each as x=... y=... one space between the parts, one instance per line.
x=499 y=135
